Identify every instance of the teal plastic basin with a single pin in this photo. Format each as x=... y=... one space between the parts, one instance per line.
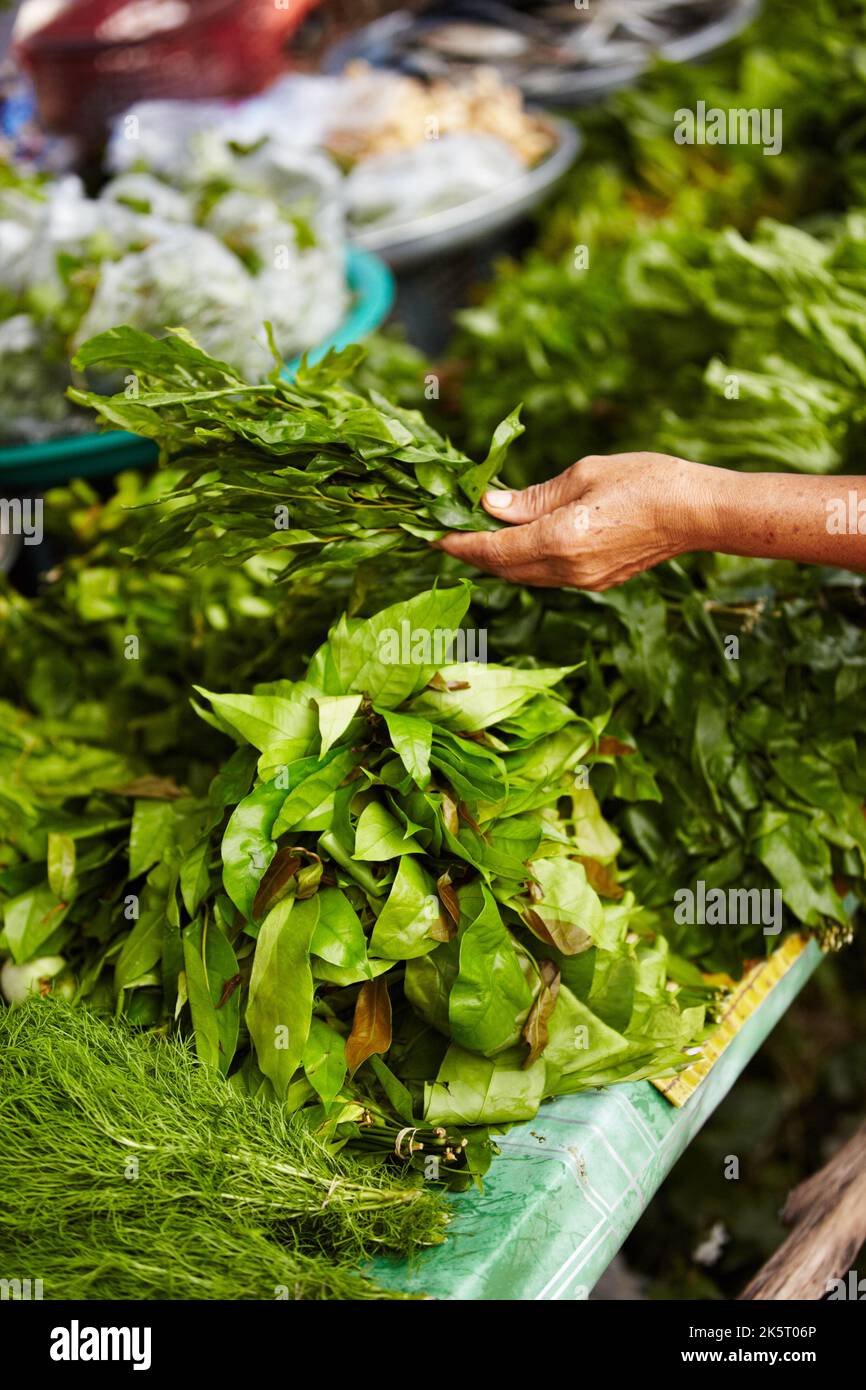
x=34 y=466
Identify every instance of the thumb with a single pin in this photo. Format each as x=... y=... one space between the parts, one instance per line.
x=532 y=502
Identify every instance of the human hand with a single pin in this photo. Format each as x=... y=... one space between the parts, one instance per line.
x=594 y=526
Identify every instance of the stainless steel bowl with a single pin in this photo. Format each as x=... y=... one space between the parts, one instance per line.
x=449 y=230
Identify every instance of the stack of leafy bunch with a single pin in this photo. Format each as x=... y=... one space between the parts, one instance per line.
x=309 y=472
x=398 y=901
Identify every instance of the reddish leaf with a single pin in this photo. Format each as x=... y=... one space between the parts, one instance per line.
x=448 y=897
x=228 y=990
x=465 y=815
x=599 y=877
x=152 y=788
x=277 y=880
x=371 y=1027
x=450 y=817
x=611 y=747
x=565 y=936
x=535 y=1031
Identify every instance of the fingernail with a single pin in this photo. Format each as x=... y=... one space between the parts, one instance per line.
x=499 y=499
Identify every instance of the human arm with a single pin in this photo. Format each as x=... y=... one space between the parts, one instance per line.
x=609 y=517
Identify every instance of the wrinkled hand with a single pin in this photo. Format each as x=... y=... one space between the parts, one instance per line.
x=601 y=521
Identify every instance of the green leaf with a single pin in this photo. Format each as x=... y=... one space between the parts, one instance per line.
x=800 y=862
x=475 y=480
x=336 y=713
x=152 y=830
x=593 y=836
x=324 y=1060
x=392 y=655
x=412 y=739
x=309 y=805
x=398 y=1094
x=472 y=1090
x=195 y=875
x=485 y=695
x=380 y=836
x=142 y=949
x=280 y=1002
x=428 y=981
x=339 y=936
x=403 y=927
x=31 y=919
x=495 y=985
x=248 y=844
x=234 y=780
x=61 y=866
x=578 y=1039
x=212 y=981
x=263 y=720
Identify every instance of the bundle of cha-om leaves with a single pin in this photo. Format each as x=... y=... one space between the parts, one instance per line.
x=412 y=912
x=128 y=1170
x=308 y=471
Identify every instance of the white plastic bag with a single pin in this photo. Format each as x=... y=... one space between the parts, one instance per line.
x=390 y=189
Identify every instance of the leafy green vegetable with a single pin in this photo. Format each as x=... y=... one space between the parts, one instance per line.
x=424 y=864
x=310 y=472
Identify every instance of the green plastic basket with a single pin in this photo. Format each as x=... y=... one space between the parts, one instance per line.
x=34 y=466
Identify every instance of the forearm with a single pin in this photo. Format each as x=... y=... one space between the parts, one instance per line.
x=781 y=516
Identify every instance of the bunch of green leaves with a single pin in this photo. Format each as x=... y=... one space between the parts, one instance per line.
x=425 y=884
x=398 y=889
x=742 y=684
x=309 y=472
x=128 y=1170
x=790 y=308
x=739 y=352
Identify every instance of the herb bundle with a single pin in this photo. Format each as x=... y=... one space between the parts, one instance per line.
x=128 y=1170
x=308 y=471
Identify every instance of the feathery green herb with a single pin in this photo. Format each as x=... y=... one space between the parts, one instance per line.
x=128 y=1170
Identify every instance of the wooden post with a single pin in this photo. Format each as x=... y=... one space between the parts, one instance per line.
x=828 y=1216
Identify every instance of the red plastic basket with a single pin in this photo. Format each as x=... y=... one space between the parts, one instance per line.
x=94 y=58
